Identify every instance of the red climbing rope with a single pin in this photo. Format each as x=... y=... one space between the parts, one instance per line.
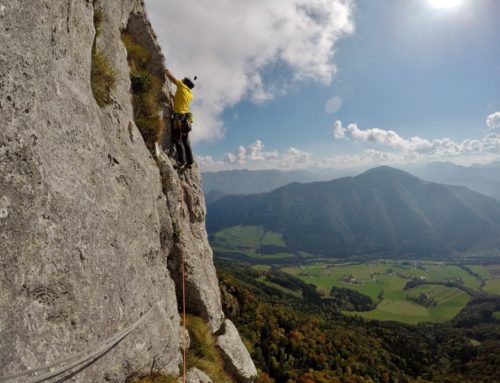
x=184 y=361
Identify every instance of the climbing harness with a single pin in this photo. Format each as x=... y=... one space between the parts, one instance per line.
x=182 y=121
x=67 y=364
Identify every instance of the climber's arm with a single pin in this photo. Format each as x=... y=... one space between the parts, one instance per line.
x=170 y=76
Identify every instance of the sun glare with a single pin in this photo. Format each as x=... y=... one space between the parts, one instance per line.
x=445 y=3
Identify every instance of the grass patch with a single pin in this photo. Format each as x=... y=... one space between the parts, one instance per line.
x=395 y=306
x=240 y=236
x=146 y=91
x=251 y=241
x=496 y=315
x=261 y=268
x=492 y=286
x=263 y=280
x=203 y=352
x=384 y=282
x=102 y=75
x=102 y=78
x=154 y=378
x=272 y=238
x=480 y=270
x=494 y=271
x=98 y=19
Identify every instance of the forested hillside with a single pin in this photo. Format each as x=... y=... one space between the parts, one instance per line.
x=382 y=212
x=302 y=338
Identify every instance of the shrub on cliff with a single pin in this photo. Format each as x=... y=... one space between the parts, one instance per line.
x=146 y=91
x=203 y=353
x=103 y=78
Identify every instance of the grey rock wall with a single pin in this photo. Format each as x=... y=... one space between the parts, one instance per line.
x=92 y=226
x=235 y=354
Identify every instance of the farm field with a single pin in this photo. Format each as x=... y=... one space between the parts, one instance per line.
x=250 y=242
x=384 y=283
x=491 y=277
x=492 y=286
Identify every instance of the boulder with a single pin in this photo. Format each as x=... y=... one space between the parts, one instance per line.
x=238 y=360
x=197 y=376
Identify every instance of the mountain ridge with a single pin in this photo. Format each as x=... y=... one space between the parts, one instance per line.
x=380 y=211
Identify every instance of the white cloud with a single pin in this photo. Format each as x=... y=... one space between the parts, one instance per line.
x=338 y=130
x=397 y=151
x=208 y=163
x=368 y=158
x=493 y=121
x=295 y=158
x=253 y=152
x=229 y=43
x=255 y=156
x=416 y=147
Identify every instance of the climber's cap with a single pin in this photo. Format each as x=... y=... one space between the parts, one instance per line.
x=189 y=82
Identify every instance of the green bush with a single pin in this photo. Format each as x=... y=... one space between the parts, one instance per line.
x=98 y=18
x=154 y=378
x=102 y=77
x=203 y=352
x=146 y=91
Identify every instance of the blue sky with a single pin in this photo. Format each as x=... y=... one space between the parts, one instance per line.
x=412 y=82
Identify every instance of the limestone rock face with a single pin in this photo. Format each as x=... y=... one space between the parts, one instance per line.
x=186 y=203
x=196 y=376
x=235 y=354
x=92 y=225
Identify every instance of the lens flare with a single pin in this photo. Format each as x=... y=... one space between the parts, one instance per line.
x=445 y=3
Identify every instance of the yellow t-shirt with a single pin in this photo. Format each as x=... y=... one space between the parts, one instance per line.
x=182 y=98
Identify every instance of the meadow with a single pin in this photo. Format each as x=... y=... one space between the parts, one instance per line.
x=251 y=242
x=443 y=288
x=384 y=283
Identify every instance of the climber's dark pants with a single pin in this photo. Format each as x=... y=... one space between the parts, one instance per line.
x=182 y=146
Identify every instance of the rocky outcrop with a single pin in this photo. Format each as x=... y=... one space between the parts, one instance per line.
x=235 y=354
x=187 y=208
x=196 y=376
x=92 y=224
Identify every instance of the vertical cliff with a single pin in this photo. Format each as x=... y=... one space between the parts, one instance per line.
x=93 y=217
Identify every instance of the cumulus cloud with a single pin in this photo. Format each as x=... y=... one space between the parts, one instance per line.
x=229 y=44
x=255 y=156
x=253 y=152
x=416 y=147
x=392 y=149
x=338 y=130
x=493 y=121
x=295 y=158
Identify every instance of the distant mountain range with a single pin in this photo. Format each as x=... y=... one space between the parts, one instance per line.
x=383 y=212
x=484 y=179
x=217 y=184
x=481 y=178
x=252 y=181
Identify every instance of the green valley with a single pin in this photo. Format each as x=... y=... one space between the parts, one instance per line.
x=251 y=243
x=308 y=324
x=404 y=291
x=410 y=291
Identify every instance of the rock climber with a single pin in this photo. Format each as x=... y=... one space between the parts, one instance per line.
x=182 y=119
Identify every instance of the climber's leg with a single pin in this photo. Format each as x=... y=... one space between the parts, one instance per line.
x=179 y=147
x=187 y=147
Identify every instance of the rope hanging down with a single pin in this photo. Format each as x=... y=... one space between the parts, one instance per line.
x=184 y=361
x=68 y=364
